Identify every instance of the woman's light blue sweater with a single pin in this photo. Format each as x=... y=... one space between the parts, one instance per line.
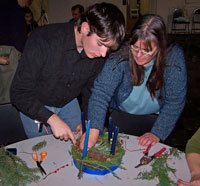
x=112 y=87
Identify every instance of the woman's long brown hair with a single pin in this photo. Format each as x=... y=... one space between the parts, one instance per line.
x=150 y=29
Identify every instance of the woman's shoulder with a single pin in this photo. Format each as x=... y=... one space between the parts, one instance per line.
x=174 y=49
x=119 y=56
x=175 y=55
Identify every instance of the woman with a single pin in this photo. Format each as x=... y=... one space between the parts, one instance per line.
x=143 y=84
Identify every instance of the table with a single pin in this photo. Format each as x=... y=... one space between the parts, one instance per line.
x=58 y=156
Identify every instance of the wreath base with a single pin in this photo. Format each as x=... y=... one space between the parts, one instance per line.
x=97 y=171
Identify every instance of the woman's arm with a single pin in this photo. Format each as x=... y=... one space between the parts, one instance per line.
x=104 y=89
x=173 y=94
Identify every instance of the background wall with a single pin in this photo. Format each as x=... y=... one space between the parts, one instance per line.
x=165 y=9
x=60 y=11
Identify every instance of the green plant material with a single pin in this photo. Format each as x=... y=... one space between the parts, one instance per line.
x=160 y=169
x=102 y=147
x=14 y=171
x=39 y=145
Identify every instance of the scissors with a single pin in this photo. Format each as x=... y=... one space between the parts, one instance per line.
x=147 y=159
x=35 y=158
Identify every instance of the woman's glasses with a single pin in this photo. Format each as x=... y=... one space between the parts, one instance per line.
x=142 y=51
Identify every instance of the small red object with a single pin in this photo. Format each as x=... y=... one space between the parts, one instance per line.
x=157 y=154
x=147 y=150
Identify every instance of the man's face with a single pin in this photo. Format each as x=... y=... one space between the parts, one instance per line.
x=94 y=47
x=75 y=14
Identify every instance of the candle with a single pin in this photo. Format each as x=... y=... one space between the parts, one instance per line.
x=110 y=129
x=86 y=140
x=83 y=122
x=114 y=140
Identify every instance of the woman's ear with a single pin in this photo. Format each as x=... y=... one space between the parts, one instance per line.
x=85 y=29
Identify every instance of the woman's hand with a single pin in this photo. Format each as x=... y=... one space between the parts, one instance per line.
x=79 y=130
x=93 y=137
x=147 y=139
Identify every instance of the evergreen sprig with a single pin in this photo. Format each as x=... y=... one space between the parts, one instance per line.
x=39 y=145
x=14 y=171
x=103 y=147
x=161 y=170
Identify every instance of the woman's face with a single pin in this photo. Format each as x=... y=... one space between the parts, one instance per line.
x=142 y=55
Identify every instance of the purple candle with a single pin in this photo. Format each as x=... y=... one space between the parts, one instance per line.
x=114 y=140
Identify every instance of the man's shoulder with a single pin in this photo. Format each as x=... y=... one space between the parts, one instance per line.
x=56 y=28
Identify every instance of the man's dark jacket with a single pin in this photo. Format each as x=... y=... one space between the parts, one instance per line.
x=52 y=72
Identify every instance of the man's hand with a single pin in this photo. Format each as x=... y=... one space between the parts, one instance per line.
x=93 y=137
x=147 y=139
x=60 y=129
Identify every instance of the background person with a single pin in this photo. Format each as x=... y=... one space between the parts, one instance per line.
x=193 y=159
x=4 y=60
x=31 y=24
x=77 y=12
x=143 y=83
x=12 y=40
x=12 y=23
x=59 y=62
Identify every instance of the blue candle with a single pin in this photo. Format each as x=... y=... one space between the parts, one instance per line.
x=83 y=122
x=110 y=129
x=114 y=140
x=86 y=140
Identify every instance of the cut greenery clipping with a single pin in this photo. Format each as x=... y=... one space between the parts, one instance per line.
x=39 y=145
x=161 y=170
x=99 y=157
x=14 y=171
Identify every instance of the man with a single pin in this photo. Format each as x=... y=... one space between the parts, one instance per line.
x=58 y=64
x=77 y=11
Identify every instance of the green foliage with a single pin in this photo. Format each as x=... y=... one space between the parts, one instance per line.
x=160 y=169
x=103 y=147
x=14 y=171
x=39 y=145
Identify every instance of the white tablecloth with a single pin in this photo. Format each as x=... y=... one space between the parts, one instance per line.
x=59 y=164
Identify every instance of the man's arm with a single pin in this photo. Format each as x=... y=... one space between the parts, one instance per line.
x=60 y=129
